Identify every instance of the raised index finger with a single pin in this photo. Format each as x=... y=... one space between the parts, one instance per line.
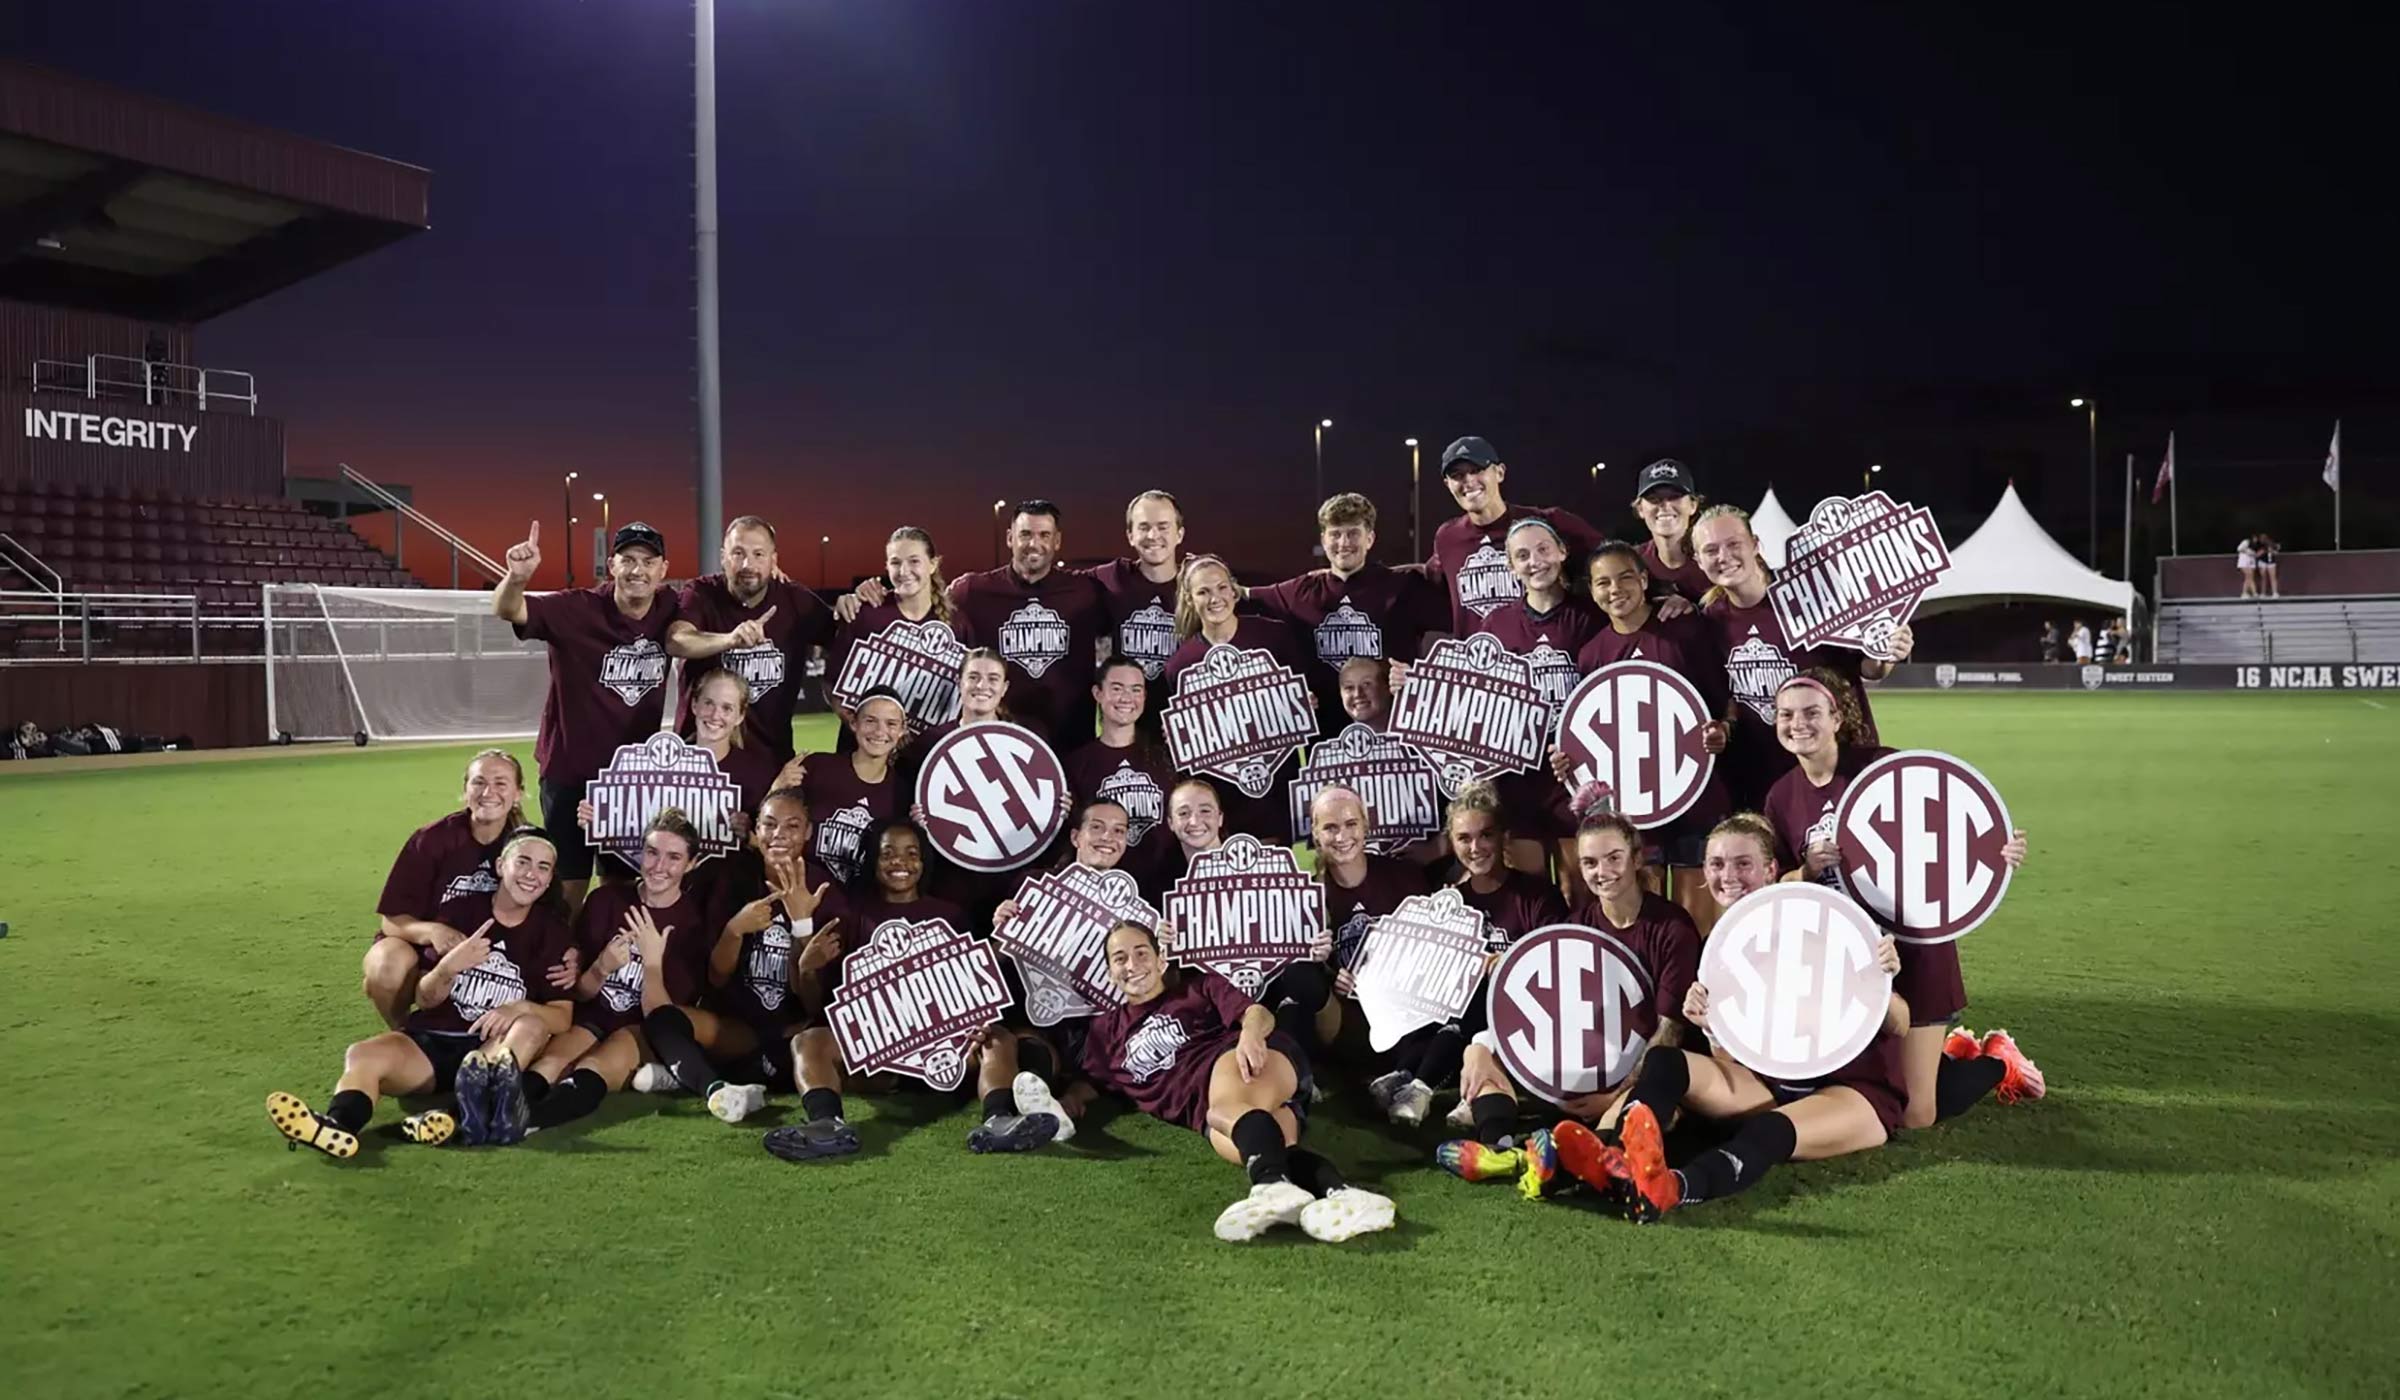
x=533 y=533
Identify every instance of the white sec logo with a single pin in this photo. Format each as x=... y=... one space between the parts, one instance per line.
x=1638 y=727
x=1570 y=1007
x=991 y=796
x=1919 y=835
x=1793 y=988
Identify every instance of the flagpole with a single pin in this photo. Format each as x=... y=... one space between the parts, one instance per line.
x=2174 y=498
x=2337 y=485
x=2129 y=517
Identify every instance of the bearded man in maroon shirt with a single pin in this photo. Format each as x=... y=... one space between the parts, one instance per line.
x=1044 y=621
x=711 y=611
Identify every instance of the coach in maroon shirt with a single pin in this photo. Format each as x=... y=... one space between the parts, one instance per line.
x=1470 y=554
x=710 y=631
x=1353 y=607
x=1666 y=497
x=608 y=673
x=1043 y=620
x=1139 y=593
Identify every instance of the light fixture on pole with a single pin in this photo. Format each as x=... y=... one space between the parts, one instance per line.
x=2091 y=425
x=1597 y=468
x=823 y=580
x=1416 y=540
x=571 y=528
x=600 y=546
x=1318 y=549
x=999 y=532
x=1866 y=479
x=709 y=370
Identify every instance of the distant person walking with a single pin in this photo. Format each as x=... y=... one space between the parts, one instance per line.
x=2268 y=585
x=2079 y=642
x=2050 y=643
x=2245 y=558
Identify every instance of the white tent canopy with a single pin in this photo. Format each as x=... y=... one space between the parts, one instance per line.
x=1773 y=525
x=2011 y=557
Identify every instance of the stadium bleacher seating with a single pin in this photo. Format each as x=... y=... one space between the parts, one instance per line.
x=2258 y=632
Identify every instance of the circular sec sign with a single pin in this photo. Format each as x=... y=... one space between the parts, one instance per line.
x=1638 y=727
x=991 y=796
x=1793 y=988
x=1571 y=1009
x=1919 y=836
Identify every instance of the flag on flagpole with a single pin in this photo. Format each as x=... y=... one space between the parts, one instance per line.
x=2333 y=459
x=2166 y=473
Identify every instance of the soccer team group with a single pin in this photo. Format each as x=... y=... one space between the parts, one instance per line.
x=526 y=992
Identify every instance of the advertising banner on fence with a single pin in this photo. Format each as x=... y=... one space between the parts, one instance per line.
x=1471 y=706
x=913 y=997
x=1570 y=1009
x=994 y=796
x=1420 y=965
x=1403 y=796
x=1794 y=991
x=2322 y=675
x=1059 y=939
x=1238 y=715
x=1243 y=910
x=1855 y=573
x=662 y=771
x=1919 y=835
x=1639 y=727
x=918 y=660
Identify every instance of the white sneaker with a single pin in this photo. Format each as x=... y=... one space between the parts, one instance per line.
x=1033 y=1096
x=654 y=1078
x=1386 y=1086
x=1462 y=1116
x=1410 y=1102
x=1343 y=1213
x=732 y=1103
x=1270 y=1203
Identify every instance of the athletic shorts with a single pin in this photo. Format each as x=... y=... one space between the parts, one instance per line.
x=558 y=820
x=1304 y=1072
x=1891 y=1107
x=1931 y=982
x=447 y=1050
x=595 y=1017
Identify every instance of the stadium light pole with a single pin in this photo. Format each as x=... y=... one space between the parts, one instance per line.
x=1866 y=479
x=2091 y=427
x=571 y=528
x=1416 y=541
x=822 y=541
x=1318 y=549
x=704 y=244
x=999 y=532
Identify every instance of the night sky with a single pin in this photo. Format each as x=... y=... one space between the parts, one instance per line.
x=992 y=248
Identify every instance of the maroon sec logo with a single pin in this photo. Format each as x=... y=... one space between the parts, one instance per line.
x=1919 y=835
x=1794 y=991
x=1570 y=1007
x=1638 y=727
x=991 y=796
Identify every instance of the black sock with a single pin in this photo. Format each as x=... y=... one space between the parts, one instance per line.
x=821 y=1103
x=1741 y=1161
x=1495 y=1118
x=1000 y=1102
x=1259 y=1138
x=1312 y=1173
x=1961 y=1084
x=1296 y=995
x=576 y=1095
x=669 y=1032
x=536 y=1087
x=1664 y=1078
x=350 y=1110
x=1034 y=1054
x=1444 y=1051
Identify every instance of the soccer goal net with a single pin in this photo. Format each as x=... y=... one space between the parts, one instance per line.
x=396 y=663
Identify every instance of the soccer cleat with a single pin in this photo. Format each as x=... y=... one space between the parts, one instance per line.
x=510 y=1112
x=301 y=1127
x=1469 y=1160
x=1461 y=1115
x=2024 y=1078
x=1013 y=1132
x=818 y=1137
x=1386 y=1088
x=1410 y=1102
x=1582 y=1155
x=1034 y=1097
x=1541 y=1171
x=1270 y=1203
x=1961 y=1044
x=731 y=1103
x=431 y=1128
x=1654 y=1190
x=654 y=1078
x=1344 y=1213
x=473 y=1085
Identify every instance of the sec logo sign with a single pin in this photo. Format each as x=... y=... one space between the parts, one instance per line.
x=1794 y=991
x=1570 y=1008
x=1638 y=727
x=991 y=795
x=1920 y=836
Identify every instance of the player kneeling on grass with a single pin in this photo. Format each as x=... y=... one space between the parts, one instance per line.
x=487 y=1005
x=1190 y=1049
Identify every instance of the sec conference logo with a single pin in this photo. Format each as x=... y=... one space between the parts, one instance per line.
x=1919 y=836
x=1794 y=991
x=991 y=794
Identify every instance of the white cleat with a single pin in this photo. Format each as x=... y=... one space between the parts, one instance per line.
x=1344 y=1213
x=1462 y=1116
x=1270 y=1203
x=1386 y=1086
x=732 y=1103
x=1033 y=1096
x=1410 y=1102
x=654 y=1078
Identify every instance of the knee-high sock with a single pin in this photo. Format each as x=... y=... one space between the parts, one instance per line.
x=1738 y=1163
x=1960 y=1084
x=1259 y=1138
x=571 y=1098
x=349 y=1111
x=1312 y=1173
x=1444 y=1050
x=1664 y=1079
x=669 y=1032
x=1295 y=996
x=1495 y=1118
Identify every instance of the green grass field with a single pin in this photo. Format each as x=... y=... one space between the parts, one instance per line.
x=2208 y=1203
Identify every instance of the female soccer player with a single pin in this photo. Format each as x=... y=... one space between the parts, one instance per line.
x=849 y=794
x=1819 y=726
x=1548 y=626
x=1128 y=765
x=1669 y=499
x=1204 y=620
x=720 y=723
x=1190 y=1049
x=1197 y=817
x=486 y=997
x=446 y=857
x=915 y=592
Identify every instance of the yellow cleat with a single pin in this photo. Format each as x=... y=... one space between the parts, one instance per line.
x=300 y=1124
x=431 y=1128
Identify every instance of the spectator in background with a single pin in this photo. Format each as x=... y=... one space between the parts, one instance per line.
x=2266 y=547
x=2125 y=642
x=2050 y=643
x=2245 y=558
x=2104 y=650
x=2079 y=642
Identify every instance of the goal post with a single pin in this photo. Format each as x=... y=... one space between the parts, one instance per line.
x=396 y=663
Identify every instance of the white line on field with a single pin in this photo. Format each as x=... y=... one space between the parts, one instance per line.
x=2378 y=704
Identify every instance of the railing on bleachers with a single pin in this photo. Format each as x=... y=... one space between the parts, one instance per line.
x=2251 y=631
x=153 y=382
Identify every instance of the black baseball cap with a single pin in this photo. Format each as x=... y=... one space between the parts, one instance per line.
x=1472 y=450
x=1665 y=473
x=641 y=533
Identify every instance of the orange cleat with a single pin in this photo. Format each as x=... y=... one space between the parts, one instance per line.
x=2023 y=1079
x=1961 y=1044
x=1582 y=1155
x=1653 y=1189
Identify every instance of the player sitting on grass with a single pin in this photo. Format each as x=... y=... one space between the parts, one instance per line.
x=1189 y=1049
x=470 y=1018
x=450 y=856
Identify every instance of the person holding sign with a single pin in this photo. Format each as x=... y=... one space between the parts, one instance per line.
x=720 y=707
x=847 y=796
x=912 y=590
x=1205 y=618
x=449 y=856
x=1191 y=1050
x=1817 y=723
x=1139 y=592
x=1469 y=561
x=1128 y=765
x=484 y=1008
x=1197 y=817
x=1549 y=626
x=1300 y=989
x=753 y=622
x=1353 y=609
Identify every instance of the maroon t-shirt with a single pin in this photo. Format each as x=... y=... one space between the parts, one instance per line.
x=1351 y=909
x=1138 y=778
x=608 y=678
x=842 y=806
x=1688 y=580
x=1664 y=937
x=440 y=860
x=753 y=769
x=873 y=911
x=759 y=990
x=849 y=634
x=1522 y=904
x=776 y=669
x=1141 y=614
x=1377 y=612
x=1757 y=661
x=1686 y=646
x=1877 y=1073
x=1160 y=1054
x=1797 y=808
x=1551 y=641
x=1046 y=633
x=1268 y=818
x=513 y=971
x=1470 y=561
x=689 y=934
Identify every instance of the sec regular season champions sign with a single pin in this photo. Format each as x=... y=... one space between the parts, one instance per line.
x=1059 y=939
x=1237 y=715
x=991 y=795
x=1472 y=707
x=1855 y=572
x=918 y=660
x=1243 y=910
x=1918 y=836
x=1794 y=991
x=1419 y=966
x=913 y=998
x=643 y=779
x=1638 y=727
x=1403 y=797
x=1571 y=1009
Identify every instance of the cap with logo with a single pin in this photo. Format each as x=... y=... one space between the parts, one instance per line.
x=1665 y=474
x=638 y=533
x=1473 y=451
